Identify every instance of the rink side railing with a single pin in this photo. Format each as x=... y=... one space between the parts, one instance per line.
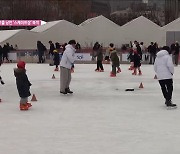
x=81 y=56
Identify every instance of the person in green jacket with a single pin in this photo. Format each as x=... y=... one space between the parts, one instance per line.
x=115 y=61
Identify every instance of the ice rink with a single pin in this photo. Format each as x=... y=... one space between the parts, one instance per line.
x=99 y=118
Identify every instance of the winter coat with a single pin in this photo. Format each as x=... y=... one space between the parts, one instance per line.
x=22 y=82
x=68 y=57
x=41 y=48
x=51 y=49
x=137 y=60
x=99 y=54
x=114 y=58
x=163 y=65
x=56 y=57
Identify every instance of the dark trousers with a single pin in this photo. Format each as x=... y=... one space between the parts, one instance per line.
x=167 y=88
x=41 y=60
x=152 y=58
x=99 y=65
x=114 y=69
x=176 y=59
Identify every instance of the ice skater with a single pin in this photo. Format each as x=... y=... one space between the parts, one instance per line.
x=164 y=69
x=23 y=85
x=56 y=59
x=99 y=55
x=137 y=63
x=66 y=63
x=115 y=61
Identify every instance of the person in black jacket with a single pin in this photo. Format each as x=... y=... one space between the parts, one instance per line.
x=51 y=49
x=56 y=59
x=176 y=53
x=99 y=55
x=137 y=63
x=23 y=85
x=41 y=50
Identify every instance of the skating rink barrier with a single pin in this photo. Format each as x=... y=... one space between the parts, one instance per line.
x=31 y=56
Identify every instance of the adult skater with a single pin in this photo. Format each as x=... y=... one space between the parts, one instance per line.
x=51 y=53
x=41 y=50
x=164 y=69
x=66 y=63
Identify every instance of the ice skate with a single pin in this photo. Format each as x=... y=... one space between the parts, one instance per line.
x=67 y=90
x=23 y=107
x=63 y=92
x=131 y=68
x=112 y=75
x=134 y=73
x=119 y=70
x=101 y=70
x=96 y=70
x=170 y=105
x=140 y=73
x=29 y=104
x=56 y=69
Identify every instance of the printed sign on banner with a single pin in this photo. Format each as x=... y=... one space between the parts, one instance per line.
x=83 y=56
x=20 y=22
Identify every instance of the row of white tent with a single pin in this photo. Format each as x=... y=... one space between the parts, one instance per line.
x=87 y=33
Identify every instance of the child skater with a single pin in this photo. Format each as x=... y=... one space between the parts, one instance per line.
x=23 y=85
x=56 y=59
x=131 y=59
x=115 y=61
x=137 y=63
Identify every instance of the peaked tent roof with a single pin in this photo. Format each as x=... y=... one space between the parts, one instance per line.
x=142 y=29
x=45 y=27
x=25 y=39
x=172 y=26
x=102 y=30
x=6 y=34
x=61 y=32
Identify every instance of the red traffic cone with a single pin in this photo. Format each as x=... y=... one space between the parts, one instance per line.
x=155 y=77
x=33 y=98
x=141 y=85
x=53 y=77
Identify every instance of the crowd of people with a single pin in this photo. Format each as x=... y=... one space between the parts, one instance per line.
x=160 y=57
x=4 y=50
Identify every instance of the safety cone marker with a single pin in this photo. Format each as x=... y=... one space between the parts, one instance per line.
x=33 y=98
x=141 y=85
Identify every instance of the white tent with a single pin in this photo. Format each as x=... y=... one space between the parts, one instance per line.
x=45 y=26
x=102 y=30
x=172 y=26
x=142 y=29
x=25 y=39
x=58 y=31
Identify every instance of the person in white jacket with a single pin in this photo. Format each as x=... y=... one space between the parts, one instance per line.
x=66 y=63
x=164 y=69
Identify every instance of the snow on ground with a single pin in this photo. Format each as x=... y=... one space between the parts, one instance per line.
x=99 y=118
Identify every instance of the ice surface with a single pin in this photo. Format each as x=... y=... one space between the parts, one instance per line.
x=99 y=118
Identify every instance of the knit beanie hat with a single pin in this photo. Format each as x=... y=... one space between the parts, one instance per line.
x=21 y=64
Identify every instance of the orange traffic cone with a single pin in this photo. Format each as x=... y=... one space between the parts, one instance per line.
x=155 y=77
x=53 y=77
x=141 y=85
x=33 y=98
